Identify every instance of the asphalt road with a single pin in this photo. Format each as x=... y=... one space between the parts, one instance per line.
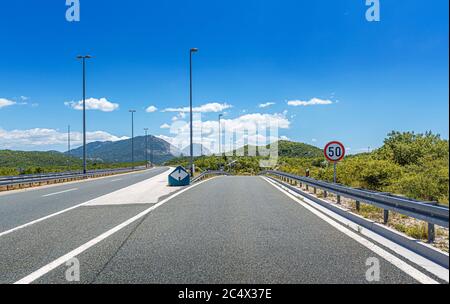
x=225 y=230
x=23 y=206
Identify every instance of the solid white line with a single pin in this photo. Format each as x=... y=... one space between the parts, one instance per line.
x=434 y=268
x=408 y=269
x=116 y=180
x=56 y=263
x=60 y=192
x=51 y=215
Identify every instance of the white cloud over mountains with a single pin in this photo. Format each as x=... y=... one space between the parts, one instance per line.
x=250 y=129
x=101 y=104
x=41 y=138
x=311 y=102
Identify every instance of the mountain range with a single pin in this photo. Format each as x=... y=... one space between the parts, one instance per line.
x=158 y=150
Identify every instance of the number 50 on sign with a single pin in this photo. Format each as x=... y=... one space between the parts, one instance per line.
x=334 y=151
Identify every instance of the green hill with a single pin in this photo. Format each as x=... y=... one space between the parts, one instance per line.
x=23 y=159
x=15 y=162
x=296 y=149
x=285 y=149
x=32 y=162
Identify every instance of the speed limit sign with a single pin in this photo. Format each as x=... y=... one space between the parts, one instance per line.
x=334 y=151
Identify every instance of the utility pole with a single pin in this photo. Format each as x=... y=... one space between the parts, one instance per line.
x=191 y=51
x=83 y=58
x=132 y=137
x=146 y=148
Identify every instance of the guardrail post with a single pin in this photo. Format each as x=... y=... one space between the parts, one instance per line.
x=338 y=199
x=325 y=194
x=358 y=206
x=431 y=233
x=307 y=187
x=386 y=216
x=315 y=190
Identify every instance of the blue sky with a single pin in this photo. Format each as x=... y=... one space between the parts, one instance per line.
x=379 y=76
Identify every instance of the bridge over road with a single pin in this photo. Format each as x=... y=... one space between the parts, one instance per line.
x=225 y=229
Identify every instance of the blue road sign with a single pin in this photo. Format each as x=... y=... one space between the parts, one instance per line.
x=179 y=177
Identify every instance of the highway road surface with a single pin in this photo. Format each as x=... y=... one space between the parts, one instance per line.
x=222 y=230
x=20 y=207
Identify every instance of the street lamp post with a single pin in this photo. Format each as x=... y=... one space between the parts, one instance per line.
x=68 y=147
x=191 y=163
x=201 y=139
x=132 y=137
x=146 y=147
x=220 y=135
x=151 y=154
x=83 y=58
x=68 y=141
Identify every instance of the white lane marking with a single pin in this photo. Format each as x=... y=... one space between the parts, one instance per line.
x=406 y=268
x=56 y=263
x=430 y=266
x=116 y=180
x=60 y=192
x=52 y=215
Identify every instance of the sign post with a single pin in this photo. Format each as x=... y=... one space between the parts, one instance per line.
x=334 y=151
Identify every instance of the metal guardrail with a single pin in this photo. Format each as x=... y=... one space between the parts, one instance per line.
x=206 y=174
x=8 y=181
x=430 y=212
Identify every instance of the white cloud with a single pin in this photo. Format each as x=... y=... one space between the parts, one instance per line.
x=165 y=126
x=24 y=98
x=41 y=138
x=151 y=109
x=6 y=103
x=246 y=129
x=311 y=102
x=101 y=104
x=266 y=105
x=206 y=108
x=284 y=138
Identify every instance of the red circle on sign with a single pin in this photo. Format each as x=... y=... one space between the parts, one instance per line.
x=327 y=151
